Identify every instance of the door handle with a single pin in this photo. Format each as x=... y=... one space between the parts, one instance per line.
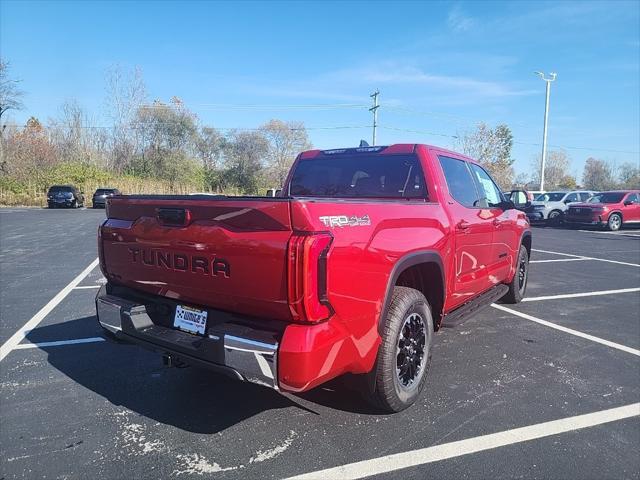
x=462 y=225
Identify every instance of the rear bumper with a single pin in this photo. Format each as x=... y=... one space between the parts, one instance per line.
x=237 y=351
x=59 y=203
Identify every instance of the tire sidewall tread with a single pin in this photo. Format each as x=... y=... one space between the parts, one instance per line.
x=390 y=397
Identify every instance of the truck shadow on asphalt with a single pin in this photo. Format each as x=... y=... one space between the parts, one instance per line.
x=192 y=399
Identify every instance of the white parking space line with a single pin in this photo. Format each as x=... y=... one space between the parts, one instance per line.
x=584 y=294
x=560 y=260
x=588 y=258
x=59 y=343
x=19 y=336
x=618 y=234
x=399 y=461
x=586 y=336
x=87 y=287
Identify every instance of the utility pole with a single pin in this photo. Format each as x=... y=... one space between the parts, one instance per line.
x=374 y=109
x=552 y=76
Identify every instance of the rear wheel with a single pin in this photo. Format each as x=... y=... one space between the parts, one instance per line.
x=518 y=285
x=615 y=222
x=405 y=353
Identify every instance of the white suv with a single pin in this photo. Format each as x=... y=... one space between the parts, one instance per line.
x=550 y=207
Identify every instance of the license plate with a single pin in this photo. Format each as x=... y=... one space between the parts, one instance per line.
x=190 y=319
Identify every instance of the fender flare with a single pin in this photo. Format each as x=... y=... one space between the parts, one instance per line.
x=619 y=212
x=526 y=234
x=409 y=260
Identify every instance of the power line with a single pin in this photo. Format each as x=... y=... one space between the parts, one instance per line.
x=255 y=106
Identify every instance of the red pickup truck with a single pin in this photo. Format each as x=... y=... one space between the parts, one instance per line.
x=365 y=253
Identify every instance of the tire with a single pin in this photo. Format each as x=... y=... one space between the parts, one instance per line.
x=74 y=204
x=518 y=286
x=407 y=338
x=555 y=218
x=614 y=223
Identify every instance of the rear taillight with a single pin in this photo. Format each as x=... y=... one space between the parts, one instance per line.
x=307 y=277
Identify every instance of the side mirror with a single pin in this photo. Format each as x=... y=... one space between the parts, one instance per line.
x=519 y=199
x=629 y=202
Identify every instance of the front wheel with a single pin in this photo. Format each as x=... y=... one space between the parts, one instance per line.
x=615 y=222
x=518 y=285
x=555 y=218
x=404 y=355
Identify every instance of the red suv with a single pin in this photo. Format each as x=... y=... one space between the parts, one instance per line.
x=607 y=209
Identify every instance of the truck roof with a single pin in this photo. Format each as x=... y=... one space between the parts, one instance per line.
x=396 y=148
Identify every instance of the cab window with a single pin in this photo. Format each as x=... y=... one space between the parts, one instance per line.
x=459 y=181
x=490 y=195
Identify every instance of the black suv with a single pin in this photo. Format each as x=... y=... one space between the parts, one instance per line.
x=64 y=196
x=101 y=195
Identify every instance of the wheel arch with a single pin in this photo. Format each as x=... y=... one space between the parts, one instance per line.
x=526 y=240
x=618 y=212
x=424 y=271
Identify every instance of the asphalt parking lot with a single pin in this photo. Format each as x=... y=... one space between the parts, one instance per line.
x=549 y=388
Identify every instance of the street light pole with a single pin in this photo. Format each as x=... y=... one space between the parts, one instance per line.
x=552 y=76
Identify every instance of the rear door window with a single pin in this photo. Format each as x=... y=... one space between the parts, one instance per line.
x=459 y=181
x=572 y=197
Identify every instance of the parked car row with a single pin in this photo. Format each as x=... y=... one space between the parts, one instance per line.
x=68 y=196
x=551 y=206
x=603 y=209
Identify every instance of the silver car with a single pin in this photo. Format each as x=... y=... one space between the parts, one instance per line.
x=550 y=207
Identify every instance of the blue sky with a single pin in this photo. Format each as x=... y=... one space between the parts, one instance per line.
x=440 y=67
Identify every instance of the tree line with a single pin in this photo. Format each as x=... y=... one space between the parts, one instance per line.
x=154 y=140
x=492 y=147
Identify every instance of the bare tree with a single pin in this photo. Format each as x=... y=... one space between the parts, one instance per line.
x=629 y=175
x=556 y=171
x=492 y=148
x=286 y=140
x=126 y=92
x=597 y=175
x=10 y=94
x=71 y=133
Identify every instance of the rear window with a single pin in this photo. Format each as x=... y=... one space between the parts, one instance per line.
x=60 y=188
x=551 y=197
x=103 y=191
x=354 y=176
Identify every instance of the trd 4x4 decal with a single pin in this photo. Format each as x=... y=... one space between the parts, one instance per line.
x=345 y=221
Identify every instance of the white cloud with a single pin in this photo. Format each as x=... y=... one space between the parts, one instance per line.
x=458 y=21
x=392 y=73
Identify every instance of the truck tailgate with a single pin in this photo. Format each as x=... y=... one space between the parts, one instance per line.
x=217 y=252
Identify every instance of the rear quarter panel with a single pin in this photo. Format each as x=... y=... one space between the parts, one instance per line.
x=361 y=260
